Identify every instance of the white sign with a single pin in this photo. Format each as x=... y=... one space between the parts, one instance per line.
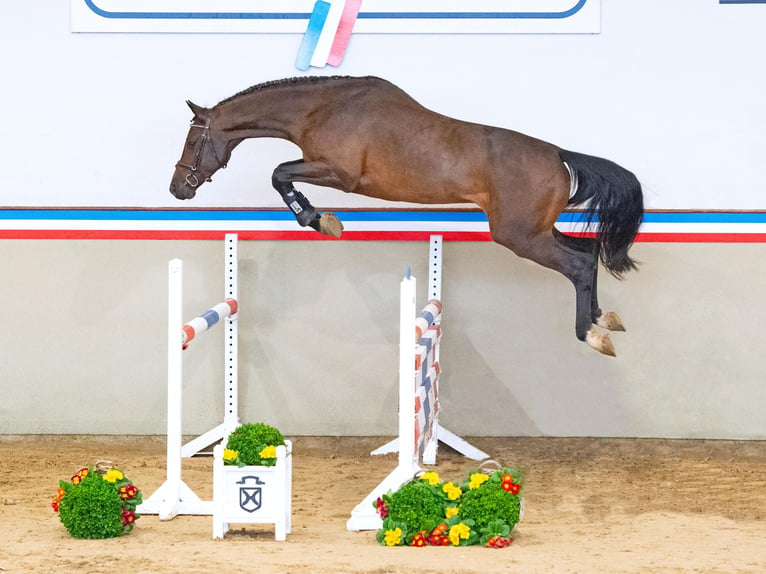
x=376 y=16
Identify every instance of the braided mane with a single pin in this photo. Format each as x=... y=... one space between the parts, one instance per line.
x=283 y=82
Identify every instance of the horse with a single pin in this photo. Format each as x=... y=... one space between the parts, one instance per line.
x=365 y=135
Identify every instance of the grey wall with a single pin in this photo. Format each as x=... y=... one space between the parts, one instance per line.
x=84 y=343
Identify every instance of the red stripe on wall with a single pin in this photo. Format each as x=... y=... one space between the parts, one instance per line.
x=243 y=235
x=297 y=235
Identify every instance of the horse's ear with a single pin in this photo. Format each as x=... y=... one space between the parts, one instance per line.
x=199 y=111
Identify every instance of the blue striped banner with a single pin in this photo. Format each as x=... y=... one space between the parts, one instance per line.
x=311 y=37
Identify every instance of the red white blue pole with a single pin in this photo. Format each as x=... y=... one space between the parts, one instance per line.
x=209 y=318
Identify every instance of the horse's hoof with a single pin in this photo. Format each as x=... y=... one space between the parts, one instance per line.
x=601 y=342
x=611 y=321
x=329 y=224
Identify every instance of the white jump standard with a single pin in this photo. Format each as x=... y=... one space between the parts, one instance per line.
x=419 y=429
x=174 y=497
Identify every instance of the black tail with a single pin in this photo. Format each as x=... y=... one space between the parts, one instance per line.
x=614 y=194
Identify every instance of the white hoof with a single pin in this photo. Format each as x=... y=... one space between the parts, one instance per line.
x=610 y=321
x=601 y=342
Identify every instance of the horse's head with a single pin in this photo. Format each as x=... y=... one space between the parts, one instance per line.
x=202 y=156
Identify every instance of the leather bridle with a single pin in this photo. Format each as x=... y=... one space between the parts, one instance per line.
x=191 y=178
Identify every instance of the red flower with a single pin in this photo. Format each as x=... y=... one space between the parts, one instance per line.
x=499 y=542
x=79 y=475
x=128 y=491
x=509 y=485
x=380 y=506
x=128 y=517
x=57 y=499
x=437 y=536
x=419 y=540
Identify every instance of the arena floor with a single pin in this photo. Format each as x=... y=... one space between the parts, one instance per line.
x=592 y=506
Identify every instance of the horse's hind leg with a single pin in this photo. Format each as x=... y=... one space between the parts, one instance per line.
x=609 y=320
x=305 y=214
x=575 y=264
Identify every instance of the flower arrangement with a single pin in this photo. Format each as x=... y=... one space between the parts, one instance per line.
x=253 y=444
x=426 y=511
x=97 y=502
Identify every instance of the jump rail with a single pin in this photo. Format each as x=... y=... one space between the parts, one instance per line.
x=174 y=497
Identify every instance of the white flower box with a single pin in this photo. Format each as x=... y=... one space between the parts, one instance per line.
x=253 y=494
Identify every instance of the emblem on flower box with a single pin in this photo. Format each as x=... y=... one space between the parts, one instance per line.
x=250 y=496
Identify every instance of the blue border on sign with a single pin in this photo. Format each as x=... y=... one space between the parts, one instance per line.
x=306 y=15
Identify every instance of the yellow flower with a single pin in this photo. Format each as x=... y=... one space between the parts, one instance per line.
x=451 y=511
x=229 y=454
x=430 y=477
x=453 y=492
x=477 y=478
x=268 y=452
x=113 y=475
x=393 y=537
x=457 y=532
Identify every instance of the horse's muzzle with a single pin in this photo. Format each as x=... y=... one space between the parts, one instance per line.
x=182 y=191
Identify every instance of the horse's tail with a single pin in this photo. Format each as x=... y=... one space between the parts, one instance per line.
x=614 y=195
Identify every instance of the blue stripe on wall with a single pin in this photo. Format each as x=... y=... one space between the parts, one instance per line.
x=284 y=215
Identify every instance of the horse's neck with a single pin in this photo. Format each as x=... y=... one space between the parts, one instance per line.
x=271 y=112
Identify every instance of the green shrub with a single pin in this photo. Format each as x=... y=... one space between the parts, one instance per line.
x=483 y=509
x=417 y=505
x=249 y=440
x=489 y=503
x=97 y=504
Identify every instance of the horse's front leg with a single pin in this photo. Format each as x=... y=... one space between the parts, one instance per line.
x=305 y=214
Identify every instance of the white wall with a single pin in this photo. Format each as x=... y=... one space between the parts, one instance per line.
x=672 y=90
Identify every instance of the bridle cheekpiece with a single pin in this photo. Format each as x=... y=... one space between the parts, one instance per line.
x=191 y=178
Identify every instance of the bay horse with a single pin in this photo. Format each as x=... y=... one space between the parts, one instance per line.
x=367 y=136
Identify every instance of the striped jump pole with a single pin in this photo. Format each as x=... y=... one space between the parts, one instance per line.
x=209 y=318
x=174 y=497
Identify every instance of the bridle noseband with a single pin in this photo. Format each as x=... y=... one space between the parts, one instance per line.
x=191 y=178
